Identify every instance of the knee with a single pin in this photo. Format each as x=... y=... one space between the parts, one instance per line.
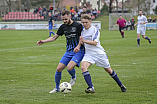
x=69 y=67
x=59 y=69
x=108 y=70
x=83 y=69
x=143 y=36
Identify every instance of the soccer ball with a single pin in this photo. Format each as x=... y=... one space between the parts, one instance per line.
x=65 y=87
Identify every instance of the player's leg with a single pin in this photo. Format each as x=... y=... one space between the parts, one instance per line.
x=122 y=32
x=102 y=61
x=63 y=63
x=138 y=39
x=75 y=61
x=71 y=71
x=86 y=62
x=143 y=35
x=84 y=66
x=115 y=77
x=58 y=75
x=138 y=36
x=50 y=29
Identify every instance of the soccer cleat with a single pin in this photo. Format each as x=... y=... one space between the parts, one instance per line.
x=149 y=41
x=123 y=88
x=54 y=91
x=72 y=81
x=122 y=36
x=90 y=90
x=138 y=45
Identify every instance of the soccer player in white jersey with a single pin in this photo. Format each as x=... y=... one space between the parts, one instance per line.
x=94 y=53
x=141 y=27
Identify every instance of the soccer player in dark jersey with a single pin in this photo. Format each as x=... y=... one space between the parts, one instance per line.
x=51 y=23
x=122 y=24
x=72 y=31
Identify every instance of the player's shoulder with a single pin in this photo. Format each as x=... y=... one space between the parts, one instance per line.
x=143 y=16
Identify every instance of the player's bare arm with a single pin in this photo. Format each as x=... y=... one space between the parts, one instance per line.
x=51 y=39
x=77 y=48
x=135 y=24
x=88 y=42
x=143 y=23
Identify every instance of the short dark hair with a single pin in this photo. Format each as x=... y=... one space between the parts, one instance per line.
x=84 y=7
x=65 y=12
x=141 y=11
x=86 y=16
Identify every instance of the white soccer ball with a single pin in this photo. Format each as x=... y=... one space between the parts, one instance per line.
x=65 y=87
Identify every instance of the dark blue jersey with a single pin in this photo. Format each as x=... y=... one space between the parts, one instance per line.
x=72 y=33
x=50 y=20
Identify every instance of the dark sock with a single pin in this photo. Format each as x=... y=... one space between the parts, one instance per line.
x=87 y=78
x=138 y=41
x=115 y=77
x=122 y=33
x=147 y=38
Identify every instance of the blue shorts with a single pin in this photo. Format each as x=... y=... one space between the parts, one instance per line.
x=50 y=26
x=71 y=56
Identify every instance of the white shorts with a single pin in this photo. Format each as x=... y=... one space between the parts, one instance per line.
x=141 y=30
x=100 y=60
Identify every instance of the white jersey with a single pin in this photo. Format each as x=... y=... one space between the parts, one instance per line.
x=92 y=34
x=141 y=19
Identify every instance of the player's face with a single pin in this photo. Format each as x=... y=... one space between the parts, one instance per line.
x=66 y=19
x=120 y=17
x=86 y=23
x=140 y=12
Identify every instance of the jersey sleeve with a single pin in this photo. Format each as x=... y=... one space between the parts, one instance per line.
x=60 y=31
x=96 y=35
x=145 y=19
x=117 y=22
x=124 y=21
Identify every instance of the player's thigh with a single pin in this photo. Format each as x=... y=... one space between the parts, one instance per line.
x=66 y=58
x=77 y=58
x=138 y=30
x=88 y=58
x=102 y=60
x=85 y=65
x=71 y=65
x=60 y=67
x=143 y=31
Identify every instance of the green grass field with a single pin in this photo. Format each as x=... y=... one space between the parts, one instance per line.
x=27 y=71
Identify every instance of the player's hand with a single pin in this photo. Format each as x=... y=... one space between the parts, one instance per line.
x=135 y=25
x=76 y=49
x=81 y=39
x=40 y=42
x=141 y=23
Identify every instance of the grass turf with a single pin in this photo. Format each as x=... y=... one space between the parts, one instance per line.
x=27 y=71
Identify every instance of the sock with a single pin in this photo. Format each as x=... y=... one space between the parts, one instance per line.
x=122 y=33
x=115 y=77
x=147 y=38
x=49 y=34
x=87 y=78
x=72 y=73
x=58 y=78
x=138 y=41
